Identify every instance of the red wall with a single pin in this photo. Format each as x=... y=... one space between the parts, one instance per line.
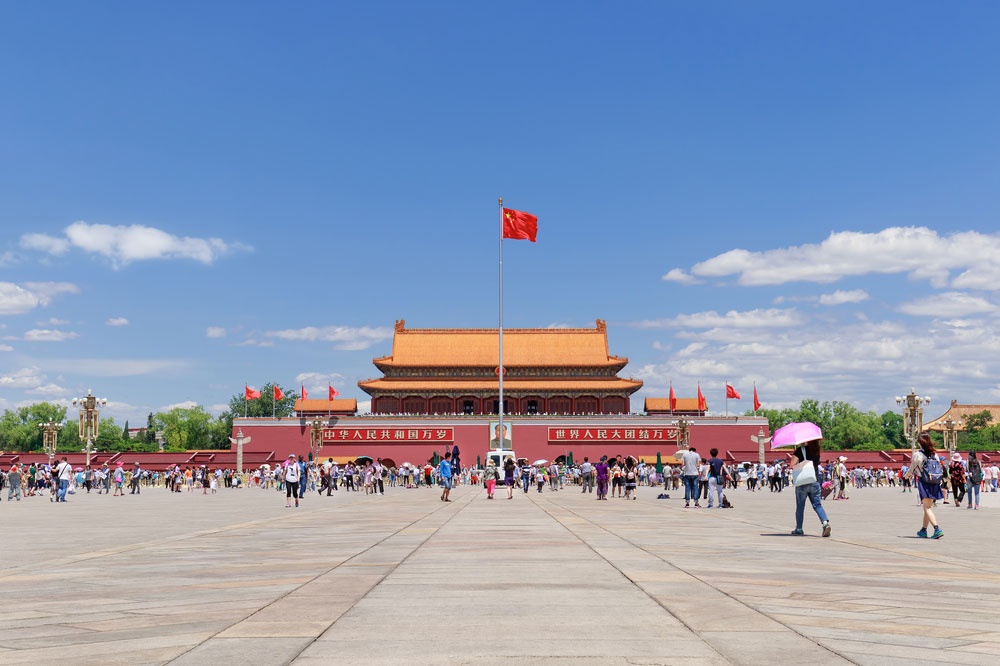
x=529 y=435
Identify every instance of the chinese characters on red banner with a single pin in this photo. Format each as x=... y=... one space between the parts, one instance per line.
x=388 y=435
x=599 y=434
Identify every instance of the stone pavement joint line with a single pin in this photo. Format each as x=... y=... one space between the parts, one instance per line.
x=544 y=578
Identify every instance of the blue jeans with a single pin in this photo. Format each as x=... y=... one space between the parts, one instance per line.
x=526 y=481
x=63 y=487
x=691 y=487
x=973 y=488
x=812 y=491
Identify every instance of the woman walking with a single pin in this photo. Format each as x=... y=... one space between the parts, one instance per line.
x=291 y=478
x=809 y=453
x=509 y=471
x=490 y=478
x=926 y=472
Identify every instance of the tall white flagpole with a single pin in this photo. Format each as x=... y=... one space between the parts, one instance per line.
x=500 y=437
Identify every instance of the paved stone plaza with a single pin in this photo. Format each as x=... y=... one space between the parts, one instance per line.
x=550 y=578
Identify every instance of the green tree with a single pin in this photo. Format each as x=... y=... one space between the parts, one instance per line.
x=978 y=421
x=19 y=428
x=185 y=428
x=891 y=424
x=261 y=407
x=109 y=436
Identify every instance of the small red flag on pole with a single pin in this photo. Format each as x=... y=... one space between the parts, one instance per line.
x=278 y=395
x=251 y=394
x=333 y=392
x=673 y=398
x=305 y=396
x=702 y=403
x=756 y=401
x=731 y=393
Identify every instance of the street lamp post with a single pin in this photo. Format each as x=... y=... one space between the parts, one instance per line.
x=913 y=415
x=89 y=420
x=50 y=433
x=951 y=434
x=684 y=428
x=316 y=437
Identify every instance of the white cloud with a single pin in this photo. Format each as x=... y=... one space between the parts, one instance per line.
x=123 y=245
x=215 y=332
x=117 y=321
x=950 y=304
x=6 y=348
x=45 y=243
x=861 y=362
x=917 y=251
x=18 y=299
x=343 y=337
x=25 y=378
x=53 y=321
x=680 y=277
x=840 y=297
x=48 y=390
x=759 y=318
x=317 y=382
x=187 y=404
x=116 y=367
x=48 y=335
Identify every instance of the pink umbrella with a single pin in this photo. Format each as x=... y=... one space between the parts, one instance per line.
x=795 y=433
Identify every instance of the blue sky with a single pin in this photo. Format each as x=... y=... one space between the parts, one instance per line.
x=194 y=196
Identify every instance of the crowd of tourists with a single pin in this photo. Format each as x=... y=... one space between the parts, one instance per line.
x=702 y=480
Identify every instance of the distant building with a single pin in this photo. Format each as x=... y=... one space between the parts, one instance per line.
x=554 y=371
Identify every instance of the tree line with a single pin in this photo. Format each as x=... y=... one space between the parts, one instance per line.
x=179 y=429
x=847 y=428
x=187 y=428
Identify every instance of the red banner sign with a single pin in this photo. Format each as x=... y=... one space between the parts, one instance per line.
x=388 y=435
x=600 y=434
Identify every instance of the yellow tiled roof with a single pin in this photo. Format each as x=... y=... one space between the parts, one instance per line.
x=479 y=347
x=663 y=405
x=521 y=386
x=958 y=413
x=339 y=405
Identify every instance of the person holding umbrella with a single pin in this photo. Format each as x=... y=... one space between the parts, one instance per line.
x=807 y=438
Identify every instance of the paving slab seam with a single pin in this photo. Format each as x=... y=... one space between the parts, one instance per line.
x=128 y=548
x=937 y=559
x=299 y=650
x=693 y=576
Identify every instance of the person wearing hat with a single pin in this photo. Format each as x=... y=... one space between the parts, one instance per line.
x=292 y=472
x=956 y=472
x=136 y=475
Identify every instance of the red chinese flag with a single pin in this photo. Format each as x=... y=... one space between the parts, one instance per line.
x=333 y=392
x=251 y=394
x=518 y=225
x=702 y=403
x=731 y=393
x=305 y=396
x=673 y=398
x=278 y=395
x=756 y=401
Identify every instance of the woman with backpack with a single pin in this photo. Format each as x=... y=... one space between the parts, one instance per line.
x=926 y=472
x=974 y=478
